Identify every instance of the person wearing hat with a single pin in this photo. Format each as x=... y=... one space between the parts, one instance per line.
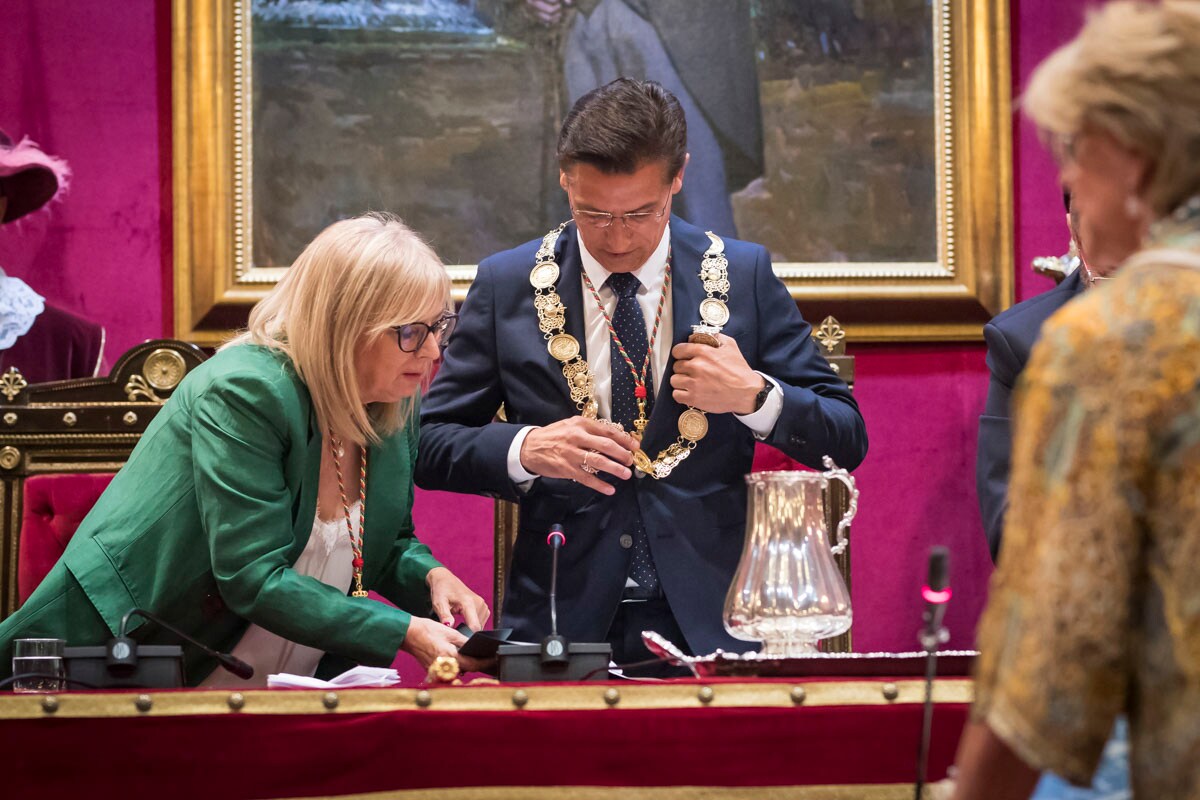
x=43 y=342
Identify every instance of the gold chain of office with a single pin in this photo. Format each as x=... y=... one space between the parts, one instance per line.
x=552 y=319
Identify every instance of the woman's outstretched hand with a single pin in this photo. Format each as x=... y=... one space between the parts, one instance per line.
x=451 y=596
x=427 y=639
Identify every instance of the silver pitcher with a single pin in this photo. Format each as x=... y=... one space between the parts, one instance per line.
x=787 y=592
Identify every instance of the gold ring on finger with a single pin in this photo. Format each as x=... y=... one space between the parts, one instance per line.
x=585 y=466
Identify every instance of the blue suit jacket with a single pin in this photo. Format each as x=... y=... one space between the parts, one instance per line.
x=1010 y=337
x=694 y=518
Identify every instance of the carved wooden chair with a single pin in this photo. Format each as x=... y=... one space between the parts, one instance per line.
x=60 y=444
x=831 y=339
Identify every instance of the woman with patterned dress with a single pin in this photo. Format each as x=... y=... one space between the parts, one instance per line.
x=1094 y=611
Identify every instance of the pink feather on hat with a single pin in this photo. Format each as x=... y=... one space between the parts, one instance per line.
x=29 y=178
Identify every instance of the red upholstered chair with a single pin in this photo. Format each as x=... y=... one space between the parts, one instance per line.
x=61 y=442
x=53 y=508
x=831 y=339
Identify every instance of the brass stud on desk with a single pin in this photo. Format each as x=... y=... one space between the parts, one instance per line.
x=705 y=695
x=520 y=697
x=890 y=691
x=50 y=704
x=69 y=419
x=798 y=694
x=10 y=418
x=130 y=418
x=237 y=701
x=424 y=699
x=612 y=696
x=330 y=701
x=143 y=703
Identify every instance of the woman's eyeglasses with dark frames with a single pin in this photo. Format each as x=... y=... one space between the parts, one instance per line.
x=412 y=336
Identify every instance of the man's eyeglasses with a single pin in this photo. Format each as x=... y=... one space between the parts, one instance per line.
x=635 y=220
x=413 y=335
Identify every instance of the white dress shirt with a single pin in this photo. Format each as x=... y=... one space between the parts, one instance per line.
x=600 y=356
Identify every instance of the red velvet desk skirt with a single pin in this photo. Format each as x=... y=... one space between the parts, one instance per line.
x=687 y=739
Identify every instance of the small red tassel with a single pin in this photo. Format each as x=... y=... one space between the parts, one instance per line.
x=358 y=562
x=639 y=392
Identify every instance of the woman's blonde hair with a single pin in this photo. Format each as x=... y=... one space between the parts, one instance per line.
x=352 y=283
x=1134 y=73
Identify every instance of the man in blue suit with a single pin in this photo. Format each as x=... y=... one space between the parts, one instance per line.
x=588 y=329
x=1010 y=338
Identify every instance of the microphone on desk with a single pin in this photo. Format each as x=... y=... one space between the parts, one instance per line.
x=555 y=647
x=936 y=594
x=121 y=653
x=555 y=658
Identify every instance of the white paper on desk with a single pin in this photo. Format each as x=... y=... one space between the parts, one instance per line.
x=357 y=678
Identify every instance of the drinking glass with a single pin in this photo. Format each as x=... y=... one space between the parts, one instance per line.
x=41 y=661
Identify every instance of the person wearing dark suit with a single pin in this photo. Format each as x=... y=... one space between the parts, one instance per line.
x=654 y=528
x=1010 y=337
x=230 y=519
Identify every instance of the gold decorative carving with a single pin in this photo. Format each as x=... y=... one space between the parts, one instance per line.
x=164 y=369
x=9 y=457
x=830 y=335
x=138 y=387
x=11 y=383
x=444 y=669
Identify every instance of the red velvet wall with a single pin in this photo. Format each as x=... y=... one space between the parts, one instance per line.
x=91 y=82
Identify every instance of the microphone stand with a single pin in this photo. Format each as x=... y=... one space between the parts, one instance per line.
x=555 y=648
x=930 y=640
x=122 y=652
x=935 y=593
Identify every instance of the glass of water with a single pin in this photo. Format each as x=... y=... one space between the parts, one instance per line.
x=40 y=661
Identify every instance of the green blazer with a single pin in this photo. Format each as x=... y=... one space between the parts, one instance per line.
x=216 y=503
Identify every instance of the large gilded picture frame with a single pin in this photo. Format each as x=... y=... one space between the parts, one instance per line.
x=965 y=280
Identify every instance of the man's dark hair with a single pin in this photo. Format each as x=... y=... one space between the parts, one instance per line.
x=623 y=125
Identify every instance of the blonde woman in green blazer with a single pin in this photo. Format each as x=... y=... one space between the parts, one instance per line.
x=209 y=523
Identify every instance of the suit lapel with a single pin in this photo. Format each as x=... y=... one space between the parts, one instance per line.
x=688 y=244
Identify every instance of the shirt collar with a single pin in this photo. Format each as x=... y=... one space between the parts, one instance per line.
x=651 y=274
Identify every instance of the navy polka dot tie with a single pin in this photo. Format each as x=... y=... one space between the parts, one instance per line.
x=630 y=326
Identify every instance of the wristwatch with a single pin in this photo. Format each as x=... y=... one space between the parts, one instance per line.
x=763 y=394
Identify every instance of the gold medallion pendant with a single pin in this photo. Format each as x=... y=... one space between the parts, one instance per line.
x=714 y=312
x=544 y=275
x=693 y=425
x=563 y=346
